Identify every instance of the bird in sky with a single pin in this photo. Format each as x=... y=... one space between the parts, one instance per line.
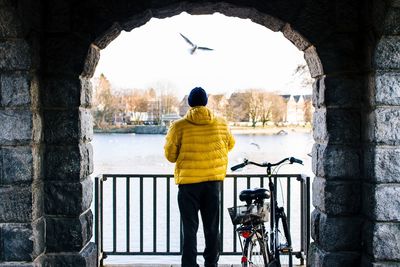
x=194 y=46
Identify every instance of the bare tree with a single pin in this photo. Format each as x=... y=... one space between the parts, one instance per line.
x=255 y=104
x=238 y=108
x=103 y=102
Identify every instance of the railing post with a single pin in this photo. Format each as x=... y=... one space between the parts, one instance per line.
x=308 y=213
x=96 y=219
x=221 y=223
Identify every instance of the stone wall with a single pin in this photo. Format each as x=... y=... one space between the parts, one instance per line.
x=22 y=221
x=48 y=53
x=381 y=189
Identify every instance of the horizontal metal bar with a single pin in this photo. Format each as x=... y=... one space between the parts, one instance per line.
x=172 y=253
x=297 y=176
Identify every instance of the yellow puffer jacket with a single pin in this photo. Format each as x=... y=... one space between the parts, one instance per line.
x=199 y=144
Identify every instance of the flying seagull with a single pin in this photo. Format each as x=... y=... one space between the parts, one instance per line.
x=194 y=46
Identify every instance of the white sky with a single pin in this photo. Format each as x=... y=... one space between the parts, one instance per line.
x=246 y=55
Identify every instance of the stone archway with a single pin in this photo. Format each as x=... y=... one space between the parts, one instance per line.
x=51 y=49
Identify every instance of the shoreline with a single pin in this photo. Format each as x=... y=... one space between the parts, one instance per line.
x=268 y=130
x=284 y=130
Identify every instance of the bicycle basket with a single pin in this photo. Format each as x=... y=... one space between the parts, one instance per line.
x=248 y=213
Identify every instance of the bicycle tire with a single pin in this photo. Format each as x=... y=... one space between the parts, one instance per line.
x=255 y=252
x=285 y=253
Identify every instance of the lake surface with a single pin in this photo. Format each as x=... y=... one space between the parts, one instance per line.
x=144 y=154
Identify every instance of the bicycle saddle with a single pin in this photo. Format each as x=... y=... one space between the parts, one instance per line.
x=250 y=194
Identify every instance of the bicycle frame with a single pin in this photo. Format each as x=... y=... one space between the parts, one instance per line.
x=276 y=214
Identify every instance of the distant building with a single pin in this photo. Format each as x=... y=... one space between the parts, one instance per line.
x=184 y=106
x=296 y=108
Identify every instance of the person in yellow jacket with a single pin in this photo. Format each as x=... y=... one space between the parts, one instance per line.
x=198 y=144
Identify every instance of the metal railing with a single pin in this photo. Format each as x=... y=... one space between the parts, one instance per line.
x=134 y=214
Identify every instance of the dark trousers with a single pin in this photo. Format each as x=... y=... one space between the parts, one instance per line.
x=203 y=197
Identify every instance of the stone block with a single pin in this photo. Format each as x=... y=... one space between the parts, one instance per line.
x=340 y=53
x=272 y=23
x=59 y=17
x=313 y=62
x=16 y=204
x=382 y=164
x=337 y=126
x=65 y=234
x=382 y=202
x=20 y=164
x=320 y=133
x=347 y=16
x=296 y=38
x=67 y=92
x=336 y=198
x=86 y=258
x=19 y=264
x=386 y=55
x=85 y=124
x=10 y=25
x=108 y=36
x=61 y=92
x=368 y=261
x=383 y=126
x=6 y=3
x=318 y=257
x=15 y=90
x=337 y=91
x=382 y=241
x=22 y=203
x=15 y=55
x=92 y=58
x=385 y=89
x=22 y=242
x=315 y=19
x=86 y=92
x=69 y=199
x=392 y=21
x=68 y=163
x=336 y=234
x=68 y=126
x=138 y=20
x=19 y=127
x=336 y=161
x=66 y=54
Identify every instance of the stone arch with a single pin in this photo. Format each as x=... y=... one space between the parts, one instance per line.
x=334 y=139
x=52 y=49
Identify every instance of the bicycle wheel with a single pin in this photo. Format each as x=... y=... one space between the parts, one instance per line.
x=284 y=241
x=255 y=252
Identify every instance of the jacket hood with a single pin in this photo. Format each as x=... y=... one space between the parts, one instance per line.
x=199 y=115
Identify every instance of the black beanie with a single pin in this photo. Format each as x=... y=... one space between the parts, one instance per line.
x=197 y=97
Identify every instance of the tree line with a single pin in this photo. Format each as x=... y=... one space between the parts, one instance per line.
x=137 y=106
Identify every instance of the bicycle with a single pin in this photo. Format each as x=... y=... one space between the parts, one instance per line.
x=259 y=246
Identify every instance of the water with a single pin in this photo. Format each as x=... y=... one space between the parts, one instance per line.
x=129 y=153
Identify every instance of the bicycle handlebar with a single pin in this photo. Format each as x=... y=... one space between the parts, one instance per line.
x=266 y=164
